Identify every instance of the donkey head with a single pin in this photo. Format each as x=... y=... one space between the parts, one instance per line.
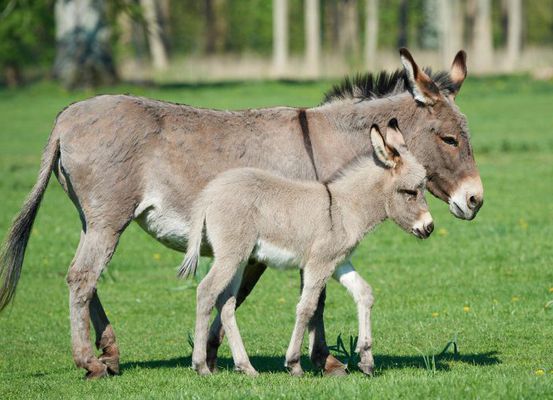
x=440 y=137
x=404 y=188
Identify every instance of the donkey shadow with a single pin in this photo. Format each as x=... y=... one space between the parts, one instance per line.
x=383 y=362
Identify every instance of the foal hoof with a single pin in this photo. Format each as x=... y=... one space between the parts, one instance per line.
x=202 y=369
x=212 y=365
x=333 y=367
x=99 y=372
x=248 y=370
x=367 y=369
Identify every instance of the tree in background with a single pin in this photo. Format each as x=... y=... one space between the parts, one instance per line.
x=215 y=26
x=280 y=36
x=312 y=37
x=348 y=29
x=371 y=33
x=514 y=33
x=482 y=44
x=83 y=47
x=26 y=31
x=155 y=31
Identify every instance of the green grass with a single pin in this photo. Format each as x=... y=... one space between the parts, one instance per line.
x=486 y=281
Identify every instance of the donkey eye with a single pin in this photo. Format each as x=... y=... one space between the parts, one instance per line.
x=408 y=192
x=450 y=140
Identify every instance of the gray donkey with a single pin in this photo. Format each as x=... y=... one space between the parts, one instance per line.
x=249 y=214
x=122 y=158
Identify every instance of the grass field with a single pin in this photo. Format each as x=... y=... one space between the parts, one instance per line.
x=487 y=282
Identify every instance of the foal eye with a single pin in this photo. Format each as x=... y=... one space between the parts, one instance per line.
x=450 y=140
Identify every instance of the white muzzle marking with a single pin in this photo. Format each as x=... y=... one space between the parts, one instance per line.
x=459 y=201
x=423 y=226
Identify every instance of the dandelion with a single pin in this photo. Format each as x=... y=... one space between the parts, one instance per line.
x=157 y=256
x=540 y=372
x=551 y=290
x=466 y=309
x=281 y=300
x=514 y=299
x=435 y=314
x=442 y=232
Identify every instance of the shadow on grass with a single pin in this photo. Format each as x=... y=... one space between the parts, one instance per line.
x=387 y=361
x=276 y=364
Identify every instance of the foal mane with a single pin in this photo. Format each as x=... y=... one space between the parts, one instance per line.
x=370 y=86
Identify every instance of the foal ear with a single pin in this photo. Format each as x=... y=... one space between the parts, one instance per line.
x=458 y=71
x=394 y=137
x=380 y=148
x=422 y=87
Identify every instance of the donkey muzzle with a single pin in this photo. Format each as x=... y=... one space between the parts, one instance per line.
x=424 y=226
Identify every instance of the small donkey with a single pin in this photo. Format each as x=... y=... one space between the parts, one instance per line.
x=251 y=213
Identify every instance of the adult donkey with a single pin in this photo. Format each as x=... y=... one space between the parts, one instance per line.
x=124 y=158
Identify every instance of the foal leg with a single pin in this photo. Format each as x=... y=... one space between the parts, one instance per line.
x=318 y=350
x=227 y=307
x=315 y=278
x=250 y=276
x=95 y=251
x=209 y=290
x=105 y=336
x=362 y=294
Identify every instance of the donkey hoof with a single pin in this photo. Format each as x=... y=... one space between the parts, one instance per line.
x=100 y=371
x=295 y=370
x=202 y=369
x=248 y=370
x=333 y=367
x=112 y=364
x=212 y=365
x=367 y=369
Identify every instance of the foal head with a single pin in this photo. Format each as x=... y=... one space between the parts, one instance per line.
x=404 y=184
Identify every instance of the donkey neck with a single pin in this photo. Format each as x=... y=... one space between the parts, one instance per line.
x=360 y=197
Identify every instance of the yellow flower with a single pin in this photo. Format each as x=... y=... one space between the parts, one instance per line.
x=281 y=300
x=157 y=256
x=466 y=308
x=551 y=290
x=514 y=299
x=442 y=232
x=435 y=314
x=523 y=224
x=540 y=372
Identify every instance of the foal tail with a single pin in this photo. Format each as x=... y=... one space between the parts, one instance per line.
x=12 y=252
x=192 y=258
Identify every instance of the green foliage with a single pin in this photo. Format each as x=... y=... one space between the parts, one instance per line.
x=26 y=32
x=500 y=264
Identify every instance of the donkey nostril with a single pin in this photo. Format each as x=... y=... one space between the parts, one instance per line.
x=474 y=201
x=430 y=228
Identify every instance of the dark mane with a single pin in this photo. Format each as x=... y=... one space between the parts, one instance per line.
x=371 y=86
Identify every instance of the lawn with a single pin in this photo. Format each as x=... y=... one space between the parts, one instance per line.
x=486 y=282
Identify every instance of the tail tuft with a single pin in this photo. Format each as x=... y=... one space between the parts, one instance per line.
x=189 y=266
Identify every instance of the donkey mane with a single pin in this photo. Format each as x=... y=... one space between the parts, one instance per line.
x=370 y=86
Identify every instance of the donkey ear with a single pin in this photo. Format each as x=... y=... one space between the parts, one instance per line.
x=380 y=148
x=423 y=88
x=394 y=138
x=458 y=71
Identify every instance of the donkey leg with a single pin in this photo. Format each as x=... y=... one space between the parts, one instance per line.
x=209 y=290
x=315 y=278
x=318 y=350
x=95 y=251
x=227 y=308
x=105 y=336
x=250 y=277
x=362 y=294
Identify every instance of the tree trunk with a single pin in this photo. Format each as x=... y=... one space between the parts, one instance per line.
x=312 y=37
x=431 y=29
x=348 y=29
x=154 y=31
x=280 y=36
x=451 y=30
x=215 y=26
x=371 y=33
x=514 y=33
x=83 y=48
x=482 y=37
x=403 y=23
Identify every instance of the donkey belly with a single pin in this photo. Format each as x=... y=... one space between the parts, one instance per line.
x=164 y=224
x=274 y=256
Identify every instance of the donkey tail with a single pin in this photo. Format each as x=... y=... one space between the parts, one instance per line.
x=12 y=252
x=192 y=258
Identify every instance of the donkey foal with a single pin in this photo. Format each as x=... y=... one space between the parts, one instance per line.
x=252 y=214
